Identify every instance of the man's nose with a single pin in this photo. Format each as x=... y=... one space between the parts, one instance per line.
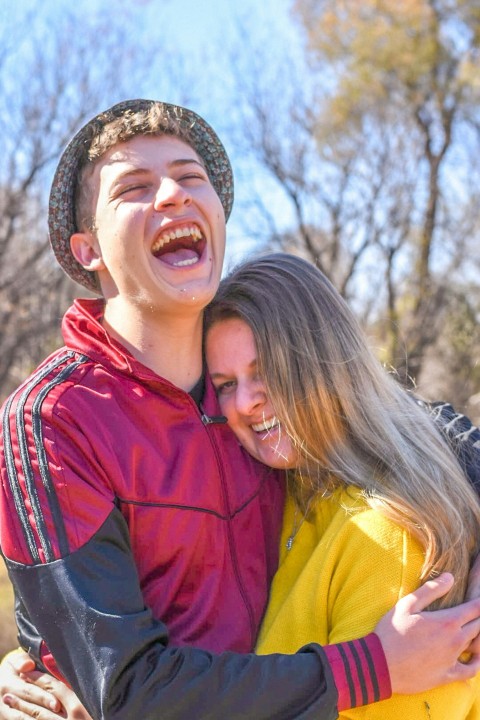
x=171 y=194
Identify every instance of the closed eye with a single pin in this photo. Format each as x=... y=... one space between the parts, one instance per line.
x=192 y=176
x=123 y=192
x=225 y=387
x=130 y=188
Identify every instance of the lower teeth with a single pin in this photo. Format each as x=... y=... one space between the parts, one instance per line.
x=182 y=263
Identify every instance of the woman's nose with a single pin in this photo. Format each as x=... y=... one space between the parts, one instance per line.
x=250 y=397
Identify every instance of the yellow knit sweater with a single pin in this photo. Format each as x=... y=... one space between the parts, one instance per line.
x=346 y=568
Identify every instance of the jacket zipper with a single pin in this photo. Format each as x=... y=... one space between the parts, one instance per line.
x=220 y=420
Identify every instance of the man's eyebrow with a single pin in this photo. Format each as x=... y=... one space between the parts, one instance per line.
x=128 y=172
x=187 y=161
x=131 y=171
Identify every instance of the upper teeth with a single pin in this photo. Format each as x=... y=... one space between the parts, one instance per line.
x=265 y=425
x=170 y=235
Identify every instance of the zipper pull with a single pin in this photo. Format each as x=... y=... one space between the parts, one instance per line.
x=214 y=419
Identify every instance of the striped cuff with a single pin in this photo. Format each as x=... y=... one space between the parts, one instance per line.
x=360 y=672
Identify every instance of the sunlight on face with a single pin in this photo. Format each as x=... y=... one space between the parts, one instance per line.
x=232 y=363
x=159 y=226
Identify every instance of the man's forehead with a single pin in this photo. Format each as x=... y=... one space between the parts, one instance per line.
x=150 y=147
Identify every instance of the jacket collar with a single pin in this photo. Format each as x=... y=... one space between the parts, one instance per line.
x=83 y=332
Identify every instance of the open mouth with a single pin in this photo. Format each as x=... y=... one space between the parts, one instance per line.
x=266 y=425
x=180 y=247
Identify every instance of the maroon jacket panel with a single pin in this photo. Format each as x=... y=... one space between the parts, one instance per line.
x=94 y=429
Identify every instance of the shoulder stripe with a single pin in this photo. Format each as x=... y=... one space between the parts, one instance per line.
x=43 y=462
x=27 y=465
x=26 y=462
x=10 y=461
x=42 y=458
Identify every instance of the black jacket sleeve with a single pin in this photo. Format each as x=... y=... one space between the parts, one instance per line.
x=462 y=436
x=89 y=609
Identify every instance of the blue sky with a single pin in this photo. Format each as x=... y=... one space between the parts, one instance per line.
x=198 y=36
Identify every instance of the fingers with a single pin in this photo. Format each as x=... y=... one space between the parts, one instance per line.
x=22 y=710
x=471 y=631
x=7 y=713
x=62 y=696
x=429 y=592
x=25 y=691
x=32 y=694
x=474 y=646
x=46 y=683
x=20 y=661
x=465 y=618
x=465 y=671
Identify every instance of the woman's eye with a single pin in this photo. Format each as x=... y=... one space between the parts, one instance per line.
x=225 y=387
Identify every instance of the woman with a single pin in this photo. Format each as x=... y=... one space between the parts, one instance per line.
x=377 y=501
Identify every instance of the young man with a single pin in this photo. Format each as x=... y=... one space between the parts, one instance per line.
x=126 y=502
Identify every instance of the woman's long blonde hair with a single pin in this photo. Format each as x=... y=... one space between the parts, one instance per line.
x=351 y=421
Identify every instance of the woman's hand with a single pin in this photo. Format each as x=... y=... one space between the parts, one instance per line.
x=27 y=693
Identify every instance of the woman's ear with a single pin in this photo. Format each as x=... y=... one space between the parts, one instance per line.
x=86 y=251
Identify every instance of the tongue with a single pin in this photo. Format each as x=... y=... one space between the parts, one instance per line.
x=174 y=258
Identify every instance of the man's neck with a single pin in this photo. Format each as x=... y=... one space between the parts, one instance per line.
x=170 y=346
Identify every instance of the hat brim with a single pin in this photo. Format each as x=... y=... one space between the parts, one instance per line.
x=61 y=215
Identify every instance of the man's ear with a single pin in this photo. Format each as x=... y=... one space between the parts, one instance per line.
x=85 y=250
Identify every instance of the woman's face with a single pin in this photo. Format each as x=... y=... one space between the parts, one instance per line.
x=232 y=363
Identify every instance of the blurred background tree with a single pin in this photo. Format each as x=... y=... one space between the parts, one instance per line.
x=55 y=73
x=373 y=138
x=50 y=82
